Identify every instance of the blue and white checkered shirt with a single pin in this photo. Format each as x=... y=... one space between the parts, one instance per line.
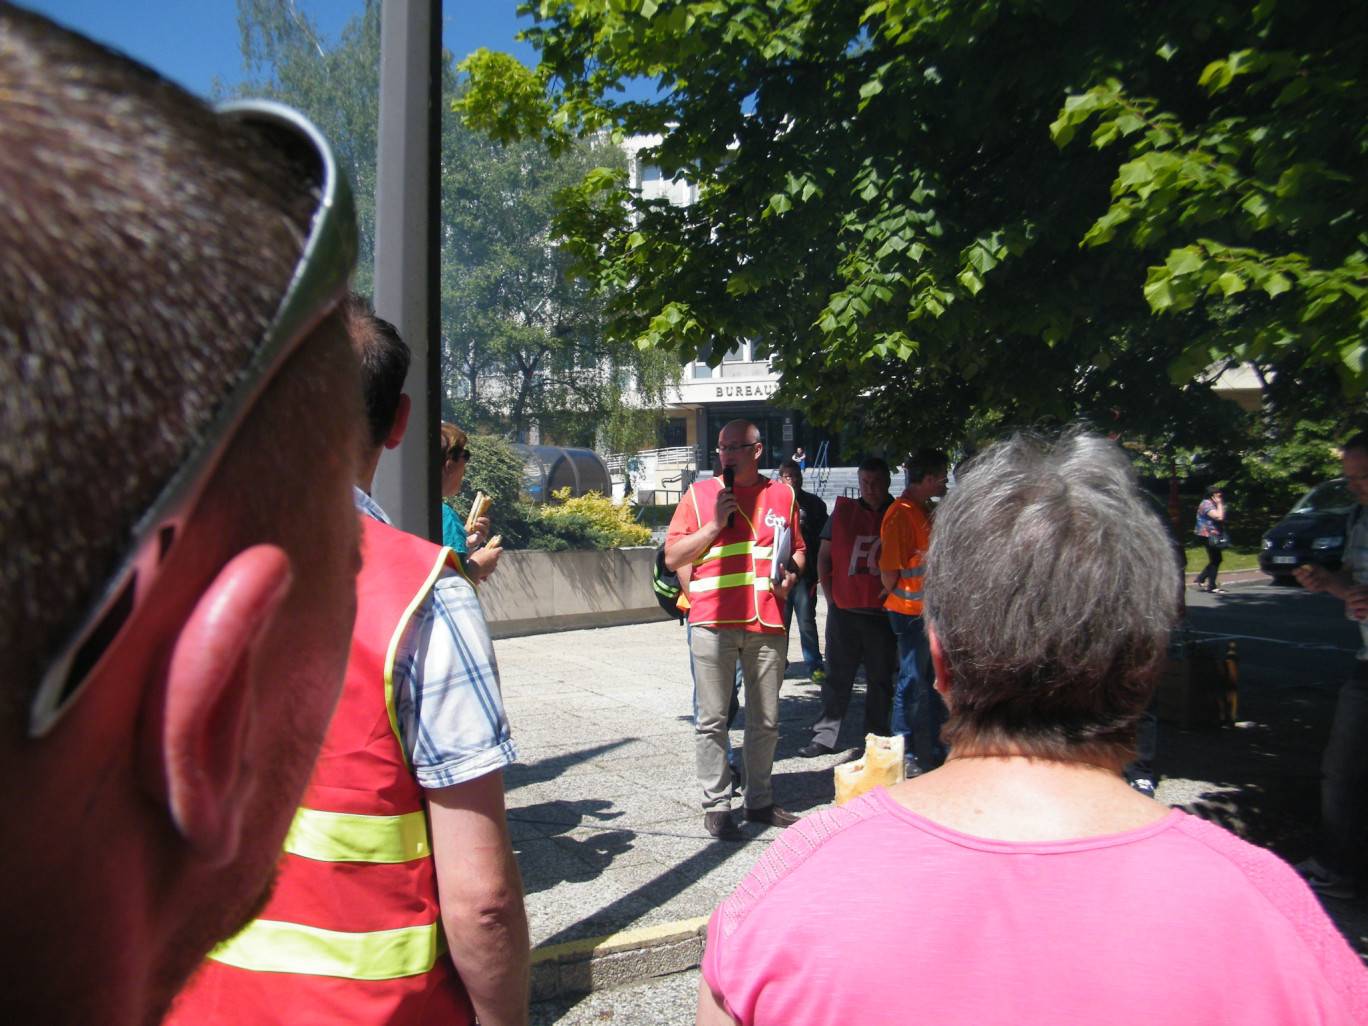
x=447 y=695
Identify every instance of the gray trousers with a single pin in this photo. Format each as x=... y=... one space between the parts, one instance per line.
x=715 y=653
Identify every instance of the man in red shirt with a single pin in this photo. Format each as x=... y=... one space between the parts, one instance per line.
x=729 y=531
x=857 y=627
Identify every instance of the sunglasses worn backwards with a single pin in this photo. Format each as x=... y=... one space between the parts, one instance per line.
x=320 y=280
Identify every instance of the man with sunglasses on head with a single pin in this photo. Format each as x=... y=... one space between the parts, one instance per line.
x=178 y=561
x=398 y=899
x=727 y=529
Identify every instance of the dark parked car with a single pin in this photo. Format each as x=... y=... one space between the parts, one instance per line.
x=1312 y=533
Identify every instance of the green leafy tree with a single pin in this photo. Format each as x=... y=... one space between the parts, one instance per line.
x=522 y=343
x=335 y=82
x=890 y=205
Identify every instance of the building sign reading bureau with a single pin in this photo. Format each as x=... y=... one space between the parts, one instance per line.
x=761 y=390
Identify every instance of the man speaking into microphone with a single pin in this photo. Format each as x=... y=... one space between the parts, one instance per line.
x=728 y=529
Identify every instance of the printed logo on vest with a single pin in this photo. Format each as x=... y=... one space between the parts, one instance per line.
x=866 y=551
x=773 y=519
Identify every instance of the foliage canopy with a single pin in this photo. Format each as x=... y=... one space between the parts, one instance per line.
x=963 y=212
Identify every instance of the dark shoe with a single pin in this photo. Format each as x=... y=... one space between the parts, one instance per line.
x=722 y=826
x=1325 y=881
x=912 y=768
x=815 y=749
x=771 y=814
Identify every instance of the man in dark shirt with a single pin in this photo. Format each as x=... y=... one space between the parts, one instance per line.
x=812 y=517
x=857 y=626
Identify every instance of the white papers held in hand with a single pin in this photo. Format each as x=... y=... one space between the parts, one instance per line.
x=783 y=549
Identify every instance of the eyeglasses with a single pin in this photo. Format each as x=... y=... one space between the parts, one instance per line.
x=461 y=457
x=319 y=282
x=736 y=448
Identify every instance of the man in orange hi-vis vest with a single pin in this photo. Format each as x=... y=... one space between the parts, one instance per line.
x=918 y=711
x=727 y=530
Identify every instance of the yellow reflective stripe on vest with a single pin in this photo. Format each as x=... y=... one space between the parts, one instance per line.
x=393 y=649
x=725 y=581
x=904 y=593
x=346 y=837
x=741 y=548
x=269 y=946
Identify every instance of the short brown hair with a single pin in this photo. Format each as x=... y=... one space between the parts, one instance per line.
x=144 y=246
x=385 y=359
x=454 y=441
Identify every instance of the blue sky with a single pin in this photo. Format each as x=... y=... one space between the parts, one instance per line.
x=191 y=41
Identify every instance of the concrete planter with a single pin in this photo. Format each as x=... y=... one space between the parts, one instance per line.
x=536 y=592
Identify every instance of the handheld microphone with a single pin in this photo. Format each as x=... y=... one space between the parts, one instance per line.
x=728 y=480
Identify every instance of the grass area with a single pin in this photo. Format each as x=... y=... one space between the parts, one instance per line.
x=1237 y=557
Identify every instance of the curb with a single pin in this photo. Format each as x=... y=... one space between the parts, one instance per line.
x=1250 y=576
x=597 y=963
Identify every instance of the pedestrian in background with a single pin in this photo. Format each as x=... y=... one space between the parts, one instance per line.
x=1338 y=858
x=455 y=459
x=857 y=626
x=812 y=517
x=918 y=711
x=1211 y=521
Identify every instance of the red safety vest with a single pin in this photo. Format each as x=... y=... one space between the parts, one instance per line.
x=730 y=583
x=352 y=932
x=855 y=544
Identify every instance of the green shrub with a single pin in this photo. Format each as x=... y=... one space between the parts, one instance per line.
x=588 y=522
x=594 y=520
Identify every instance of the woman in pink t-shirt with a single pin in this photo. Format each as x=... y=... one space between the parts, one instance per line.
x=1024 y=881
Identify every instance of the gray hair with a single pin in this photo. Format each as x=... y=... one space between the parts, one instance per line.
x=1051 y=585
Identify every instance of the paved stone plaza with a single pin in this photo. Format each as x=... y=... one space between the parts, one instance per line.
x=605 y=814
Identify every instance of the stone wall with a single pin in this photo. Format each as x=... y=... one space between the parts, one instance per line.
x=535 y=592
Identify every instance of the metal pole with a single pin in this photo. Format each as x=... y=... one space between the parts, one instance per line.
x=407 y=249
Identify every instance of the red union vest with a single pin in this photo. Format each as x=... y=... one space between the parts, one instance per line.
x=730 y=583
x=855 y=544
x=352 y=932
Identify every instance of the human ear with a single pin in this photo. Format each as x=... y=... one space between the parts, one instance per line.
x=401 y=419
x=207 y=724
x=942 y=684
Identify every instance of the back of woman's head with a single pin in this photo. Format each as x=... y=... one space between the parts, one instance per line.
x=453 y=441
x=1051 y=585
